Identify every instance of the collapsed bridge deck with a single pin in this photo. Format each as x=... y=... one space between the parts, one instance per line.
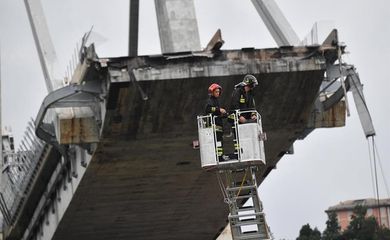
x=144 y=180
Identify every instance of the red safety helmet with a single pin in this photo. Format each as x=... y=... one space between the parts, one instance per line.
x=213 y=87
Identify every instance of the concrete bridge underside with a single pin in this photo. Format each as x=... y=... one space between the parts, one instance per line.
x=144 y=180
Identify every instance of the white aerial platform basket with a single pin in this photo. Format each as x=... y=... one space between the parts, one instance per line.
x=248 y=138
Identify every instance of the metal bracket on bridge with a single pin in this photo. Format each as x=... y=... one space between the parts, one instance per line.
x=347 y=74
x=333 y=73
x=72 y=96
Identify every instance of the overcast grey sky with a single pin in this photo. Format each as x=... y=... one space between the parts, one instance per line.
x=329 y=166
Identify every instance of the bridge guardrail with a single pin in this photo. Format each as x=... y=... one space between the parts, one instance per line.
x=18 y=171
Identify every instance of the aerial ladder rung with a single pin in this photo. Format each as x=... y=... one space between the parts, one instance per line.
x=246 y=196
x=246 y=215
x=246 y=208
x=249 y=236
x=249 y=187
x=245 y=222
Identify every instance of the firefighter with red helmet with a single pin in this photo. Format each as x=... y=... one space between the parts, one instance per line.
x=213 y=107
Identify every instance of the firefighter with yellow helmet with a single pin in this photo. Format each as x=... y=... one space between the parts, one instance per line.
x=242 y=98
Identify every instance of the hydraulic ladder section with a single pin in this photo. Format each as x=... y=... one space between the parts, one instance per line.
x=247 y=221
x=236 y=172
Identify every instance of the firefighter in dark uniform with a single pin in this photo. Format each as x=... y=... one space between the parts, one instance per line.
x=242 y=99
x=213 y=107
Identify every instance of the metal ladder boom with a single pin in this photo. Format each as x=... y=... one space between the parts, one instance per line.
x=246 y=222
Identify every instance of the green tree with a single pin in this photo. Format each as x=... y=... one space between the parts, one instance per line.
x=316 y=234
x=332 y=230
x=384 y=233
x=362 y=228
x=359 y=228
x=306 y=233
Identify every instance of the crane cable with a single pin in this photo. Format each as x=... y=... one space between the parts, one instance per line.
x=382 y=171
x=376 y=180
x=223 y=189
x=374 y=177
x=371 y=168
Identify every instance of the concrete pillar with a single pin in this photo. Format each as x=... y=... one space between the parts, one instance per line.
x=177 y=25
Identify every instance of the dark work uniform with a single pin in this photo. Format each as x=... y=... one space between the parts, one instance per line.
x=242 y=100
x=212 y=107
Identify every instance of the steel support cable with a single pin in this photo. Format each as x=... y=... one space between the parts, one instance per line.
x=382 y=172
x=371 y=168
x=376 y=181
x=222 y=187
